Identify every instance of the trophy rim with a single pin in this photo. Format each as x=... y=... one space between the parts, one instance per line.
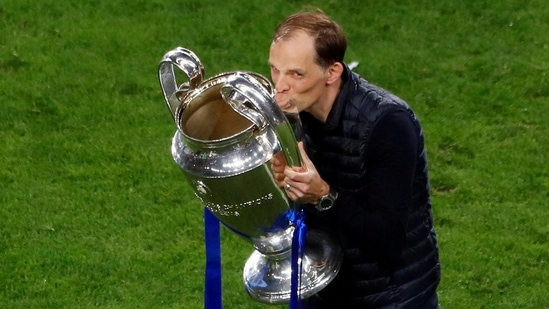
x=215 y=81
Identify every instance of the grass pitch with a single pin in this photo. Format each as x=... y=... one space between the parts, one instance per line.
x=94 y=213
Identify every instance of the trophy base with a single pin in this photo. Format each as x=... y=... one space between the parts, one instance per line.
x=267 y=277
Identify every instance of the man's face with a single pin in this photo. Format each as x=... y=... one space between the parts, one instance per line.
x=298 y=79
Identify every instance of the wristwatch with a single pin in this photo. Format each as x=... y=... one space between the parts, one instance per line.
x=327 y=201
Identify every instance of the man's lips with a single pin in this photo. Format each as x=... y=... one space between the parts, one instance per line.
x=284 y=101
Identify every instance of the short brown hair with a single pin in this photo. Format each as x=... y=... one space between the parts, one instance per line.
x=329 y=38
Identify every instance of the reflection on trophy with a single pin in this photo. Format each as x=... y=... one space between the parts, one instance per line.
x=228 y=129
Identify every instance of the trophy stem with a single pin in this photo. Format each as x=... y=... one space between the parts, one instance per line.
x=267 y=276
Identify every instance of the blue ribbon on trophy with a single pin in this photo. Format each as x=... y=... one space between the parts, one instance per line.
x=213 y=297
x=297 y=219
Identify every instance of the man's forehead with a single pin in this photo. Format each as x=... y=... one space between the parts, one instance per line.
x=292 y=53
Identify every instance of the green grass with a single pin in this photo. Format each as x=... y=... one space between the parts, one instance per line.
x=95 y=214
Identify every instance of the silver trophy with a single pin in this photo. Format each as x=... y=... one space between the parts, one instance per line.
x=228 y=129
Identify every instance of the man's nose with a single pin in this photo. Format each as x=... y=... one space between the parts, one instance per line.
x=281 y=84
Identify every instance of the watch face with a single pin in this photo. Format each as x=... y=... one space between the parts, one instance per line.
x=326 y=203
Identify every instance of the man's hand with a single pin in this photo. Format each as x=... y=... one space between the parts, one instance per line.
x=278 y=164
x=303 y=184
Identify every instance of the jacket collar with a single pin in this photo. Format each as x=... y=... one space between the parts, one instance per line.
x=337 y=108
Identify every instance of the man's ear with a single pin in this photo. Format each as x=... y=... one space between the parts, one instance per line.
x=334 y=72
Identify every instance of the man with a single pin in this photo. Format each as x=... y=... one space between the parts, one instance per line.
x=364 y=175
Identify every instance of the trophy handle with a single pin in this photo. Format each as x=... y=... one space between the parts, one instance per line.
x=250 y=98
x=186 y=61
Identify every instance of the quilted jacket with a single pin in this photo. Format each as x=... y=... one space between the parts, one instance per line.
x=405 y=278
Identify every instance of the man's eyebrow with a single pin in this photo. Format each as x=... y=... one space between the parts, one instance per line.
x=290 y=70
x=297 y=70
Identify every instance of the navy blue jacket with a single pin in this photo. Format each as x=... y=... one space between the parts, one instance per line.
x=371 y=150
